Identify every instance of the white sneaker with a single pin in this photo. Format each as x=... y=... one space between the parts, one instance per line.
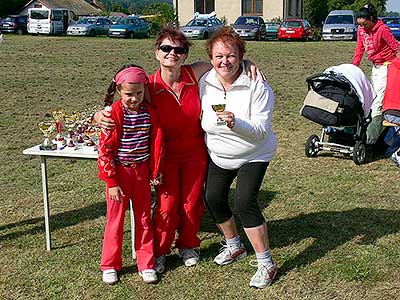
x=160 y=264
x=263 y=277
x=110 y=276
x=190 y=257
x=229 y=254
x=149 y=276
x=395 y=157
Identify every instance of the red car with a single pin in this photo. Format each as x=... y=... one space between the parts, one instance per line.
x=295 y=29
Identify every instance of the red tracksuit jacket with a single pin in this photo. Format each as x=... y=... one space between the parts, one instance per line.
x=391 y=100
x=109 y=143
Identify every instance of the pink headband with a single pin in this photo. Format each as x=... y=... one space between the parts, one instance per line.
x=131 y=75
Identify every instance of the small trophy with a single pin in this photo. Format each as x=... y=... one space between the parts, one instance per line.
x=219 y=108
x=59 y=116
x=47 y=127
x=70 y=123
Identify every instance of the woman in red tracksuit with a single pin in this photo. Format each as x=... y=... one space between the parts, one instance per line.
x=129 y=159
x=174 y=94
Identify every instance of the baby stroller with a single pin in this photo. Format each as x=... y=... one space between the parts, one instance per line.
x=334 y=102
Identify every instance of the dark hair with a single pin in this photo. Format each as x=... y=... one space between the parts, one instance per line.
x=226 y=35
x=109 y=98
x=175 y=36
x=368 y=12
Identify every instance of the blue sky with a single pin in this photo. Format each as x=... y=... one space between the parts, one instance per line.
x=393 y=5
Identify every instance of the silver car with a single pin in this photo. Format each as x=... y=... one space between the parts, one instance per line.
x=90 y=26
x=201 y=27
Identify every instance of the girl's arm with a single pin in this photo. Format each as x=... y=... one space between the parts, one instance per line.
x=105 y=161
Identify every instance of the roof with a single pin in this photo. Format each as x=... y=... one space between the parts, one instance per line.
x=341 y=12
x=79 y=7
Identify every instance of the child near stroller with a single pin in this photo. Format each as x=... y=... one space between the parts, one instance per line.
x=340 y=100
x=391 y=111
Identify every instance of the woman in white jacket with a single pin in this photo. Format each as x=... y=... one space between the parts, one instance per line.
x=236 y=118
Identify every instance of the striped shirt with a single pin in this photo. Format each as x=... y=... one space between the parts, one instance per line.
x=134 y=146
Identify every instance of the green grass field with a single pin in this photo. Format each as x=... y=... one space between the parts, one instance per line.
x=334 y=226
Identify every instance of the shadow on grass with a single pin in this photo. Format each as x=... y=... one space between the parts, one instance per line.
x=208 y=224
x=57 y=221
x=331 y=230
x=328 y=229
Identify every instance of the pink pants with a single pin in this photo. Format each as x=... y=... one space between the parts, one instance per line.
x=180 y=204
x=135 y=183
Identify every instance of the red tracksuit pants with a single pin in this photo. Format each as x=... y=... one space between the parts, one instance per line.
x=135 y=183
x=180 y=204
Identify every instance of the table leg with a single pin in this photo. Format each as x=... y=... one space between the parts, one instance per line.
x=45 y=202
x=132 y=229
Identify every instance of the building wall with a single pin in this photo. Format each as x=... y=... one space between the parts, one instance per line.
x=233 y=8
x=185 y=11
x=228 y=9
x=273 y=9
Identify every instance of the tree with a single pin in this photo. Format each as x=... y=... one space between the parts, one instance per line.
x=11 y=7
x=162 y=14
x=392 y=14
x=380 y=5
x=316 y=10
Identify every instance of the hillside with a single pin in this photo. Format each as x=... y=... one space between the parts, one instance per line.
x=131 y=5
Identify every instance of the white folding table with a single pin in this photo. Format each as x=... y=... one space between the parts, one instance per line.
x=66 y=153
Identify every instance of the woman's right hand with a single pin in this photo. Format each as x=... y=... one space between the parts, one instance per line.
x=115 y=193
x=103 y=119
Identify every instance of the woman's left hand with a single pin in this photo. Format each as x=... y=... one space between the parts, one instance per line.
x=228 y=117
x=251 y=69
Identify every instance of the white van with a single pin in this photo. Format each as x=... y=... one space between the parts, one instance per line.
x=340 y=25
x=50 y=20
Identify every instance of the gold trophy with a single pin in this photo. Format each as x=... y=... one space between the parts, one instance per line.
x=70 y=123
x=47 y=127
x=219 y=108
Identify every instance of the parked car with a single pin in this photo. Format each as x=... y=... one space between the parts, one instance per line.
x=14 y=24
x=115 y=19
x=250 y=27
x=130 y=27
x=202 y=26
x=295 y=29
x=340 y=25
x=90 y=26
x=271 y=31
x=394 y=24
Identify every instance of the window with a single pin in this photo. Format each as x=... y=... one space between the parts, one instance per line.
x=252 y=7
x=204 y=6
x=57 y=15
x=39 y=14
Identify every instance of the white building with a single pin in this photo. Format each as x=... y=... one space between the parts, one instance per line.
x=231 y=9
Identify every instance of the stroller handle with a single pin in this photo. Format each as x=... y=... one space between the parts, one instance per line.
x=332 y=77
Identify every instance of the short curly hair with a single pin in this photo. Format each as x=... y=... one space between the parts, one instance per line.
x=226 y=35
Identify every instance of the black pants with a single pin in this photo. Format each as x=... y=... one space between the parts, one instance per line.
x=249 y=179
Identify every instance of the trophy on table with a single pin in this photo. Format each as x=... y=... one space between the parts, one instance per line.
x=47 y=126
x=59 y=116
x=219 y=108
x=70 y=123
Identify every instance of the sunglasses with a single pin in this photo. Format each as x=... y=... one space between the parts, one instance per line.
x=168 y=49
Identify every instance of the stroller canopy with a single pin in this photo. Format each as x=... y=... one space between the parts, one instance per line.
x=360 y=82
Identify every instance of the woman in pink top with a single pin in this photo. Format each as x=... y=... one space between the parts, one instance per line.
x=375 y=38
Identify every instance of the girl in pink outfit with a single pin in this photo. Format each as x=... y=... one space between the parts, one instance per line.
x=129 y=159
x=375 y=38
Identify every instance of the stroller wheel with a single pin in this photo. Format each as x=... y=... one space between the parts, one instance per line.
x=311 y=148
x=359 y=153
